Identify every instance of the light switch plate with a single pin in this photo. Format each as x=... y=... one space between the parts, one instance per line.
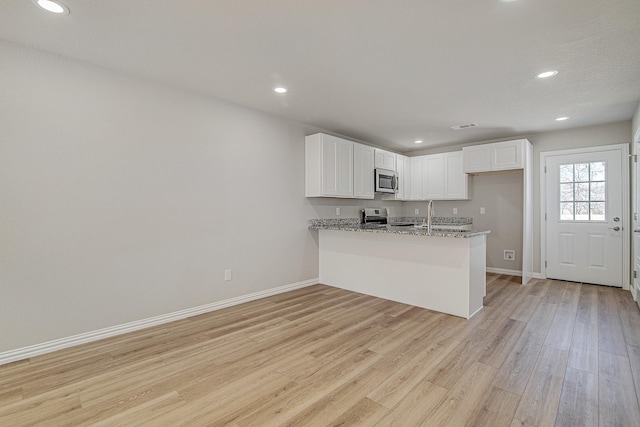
x=455 y=211
x=482 y=211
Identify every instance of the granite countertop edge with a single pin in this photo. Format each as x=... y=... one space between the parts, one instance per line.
x=460 y=234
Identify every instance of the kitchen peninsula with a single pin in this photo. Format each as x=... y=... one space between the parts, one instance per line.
x=443 y=270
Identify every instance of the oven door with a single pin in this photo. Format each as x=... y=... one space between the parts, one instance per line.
x=386 y=181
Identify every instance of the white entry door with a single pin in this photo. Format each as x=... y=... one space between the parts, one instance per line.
x=584 y=209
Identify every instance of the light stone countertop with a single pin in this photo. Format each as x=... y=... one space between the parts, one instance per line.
x=353 y=224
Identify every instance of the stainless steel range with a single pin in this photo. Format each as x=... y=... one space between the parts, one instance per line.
x=374 y=217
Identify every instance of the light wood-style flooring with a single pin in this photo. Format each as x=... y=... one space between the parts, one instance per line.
x=549 y=353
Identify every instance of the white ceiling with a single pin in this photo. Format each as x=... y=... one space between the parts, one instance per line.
x=386 y=72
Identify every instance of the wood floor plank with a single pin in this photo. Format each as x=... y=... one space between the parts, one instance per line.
x=516 y=370
x=634 y=361
x=541 y=397
x=338 y=401
x=526 y=308
x=496 y=409
x=448 y=372
x=542 y=318
x=584 y=351
x=463 y=398
x=618 y=402
x=415 y=407
x=610 y=335
x=409 y=373
x=499 y=344
x=579 y=399
x=549 y=352
x=588 y=305
x=365 y=412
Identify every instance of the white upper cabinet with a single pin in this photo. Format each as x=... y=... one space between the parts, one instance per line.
x=385 y=160
x=328 y=166
x=438 y=177
x=433 y=177
x=496 y=156
x=456 y=181
x=363 y=171
x=415 y=192
x=406 y=178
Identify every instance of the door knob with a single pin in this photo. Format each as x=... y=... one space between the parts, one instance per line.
x=616 y=219
x=616 y=228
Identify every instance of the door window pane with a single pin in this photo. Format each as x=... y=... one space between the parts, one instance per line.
x=581 y=172
x=566 y=192
x=583 y=192
x=566 y=173
x=597 y=192
x=566 y=211
x=597 y=171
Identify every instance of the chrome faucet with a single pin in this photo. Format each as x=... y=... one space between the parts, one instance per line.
x=430 y=212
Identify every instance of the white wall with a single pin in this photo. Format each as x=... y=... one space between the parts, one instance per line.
x=122 y=199
x=501 y=197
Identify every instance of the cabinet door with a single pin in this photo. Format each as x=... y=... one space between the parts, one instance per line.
x=477 y=158
x=385 y=160
x=406 y=178
x=507 y=155
x=455 y=180
x=415 y=192
x=337 y=167
x=433 y=176
x=363 y=165
x=400 y=177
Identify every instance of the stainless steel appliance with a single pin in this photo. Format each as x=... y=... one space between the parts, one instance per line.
x=374 y=217
x=386 y=181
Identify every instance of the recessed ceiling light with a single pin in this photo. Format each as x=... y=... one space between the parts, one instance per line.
x=52 y=6
x=561 y=119
x=418 y=141
x=280 y=90
x=547 y=74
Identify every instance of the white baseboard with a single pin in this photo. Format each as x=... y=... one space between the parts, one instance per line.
x=511 y=272
x=59 y=344
x=504 y=271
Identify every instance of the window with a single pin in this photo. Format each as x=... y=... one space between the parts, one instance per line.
x=583 y=191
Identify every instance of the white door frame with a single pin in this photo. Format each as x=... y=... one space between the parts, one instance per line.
x=626 y=228
x=635 y=291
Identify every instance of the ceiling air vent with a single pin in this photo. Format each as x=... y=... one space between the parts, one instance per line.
x=465 y=126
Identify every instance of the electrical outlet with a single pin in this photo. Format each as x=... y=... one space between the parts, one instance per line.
x=416 y=212
x=509 y=255
x=338 y=211
x=227 y=275
x=455 y=211
x=482 y=211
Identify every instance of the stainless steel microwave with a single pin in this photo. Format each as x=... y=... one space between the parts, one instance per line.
x=386 y=181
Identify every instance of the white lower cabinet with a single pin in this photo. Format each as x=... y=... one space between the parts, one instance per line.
x=363 y=167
